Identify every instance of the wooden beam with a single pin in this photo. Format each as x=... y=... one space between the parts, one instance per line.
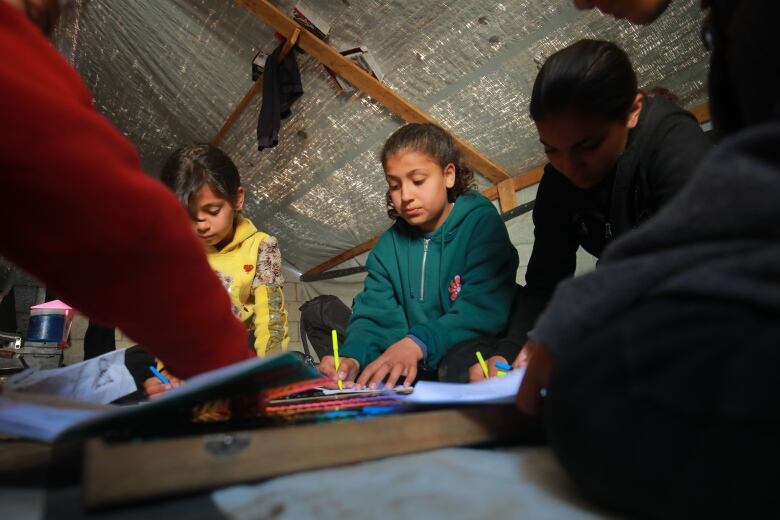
x=343 y=257
x=253 y=91
x=701 y=112
x=126 y=472
x=348 y=70
x=506 y=195
x=519 y=182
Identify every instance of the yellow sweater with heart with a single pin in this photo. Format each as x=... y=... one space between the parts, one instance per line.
x=250 y=268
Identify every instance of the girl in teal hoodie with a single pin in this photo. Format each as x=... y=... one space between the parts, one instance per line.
x=442 y=274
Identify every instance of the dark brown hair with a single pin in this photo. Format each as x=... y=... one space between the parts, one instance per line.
x=592 y=77
x=191 y=167
x=436 y=143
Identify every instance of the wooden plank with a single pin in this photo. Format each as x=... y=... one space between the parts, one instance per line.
x=506 y=195
x=343 y=257
x=127 y=472
x=701 y=112
x=522 y=181
x=252 y=92
x=345 y=68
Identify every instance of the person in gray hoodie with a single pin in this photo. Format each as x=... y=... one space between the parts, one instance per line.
x=660 y=369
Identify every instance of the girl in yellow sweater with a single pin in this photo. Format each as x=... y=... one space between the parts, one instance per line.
x=247 y=261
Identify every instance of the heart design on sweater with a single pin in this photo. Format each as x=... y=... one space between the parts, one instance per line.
x=454 y=288
x=248 y=268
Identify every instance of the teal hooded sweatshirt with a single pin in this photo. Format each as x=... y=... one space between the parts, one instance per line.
x=411 y=287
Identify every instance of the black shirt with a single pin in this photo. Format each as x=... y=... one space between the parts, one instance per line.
x=661 y=154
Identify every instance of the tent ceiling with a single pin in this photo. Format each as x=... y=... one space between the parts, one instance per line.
x=169 y=72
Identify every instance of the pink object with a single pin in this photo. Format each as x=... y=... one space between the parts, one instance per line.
x=57 y=307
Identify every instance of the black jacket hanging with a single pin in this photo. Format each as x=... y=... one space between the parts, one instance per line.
x=281 y=87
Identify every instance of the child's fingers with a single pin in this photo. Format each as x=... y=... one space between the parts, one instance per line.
x=175 y=381
x=395 y=373
x=367 y=373
x=411 y=375
x=522 y=359
x=378 y=375
x=155 y=388
x=476 y=373
x=352 y=368
x=326 y=367
x=492 y=368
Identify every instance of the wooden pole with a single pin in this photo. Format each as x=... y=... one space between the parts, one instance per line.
x=362 y=80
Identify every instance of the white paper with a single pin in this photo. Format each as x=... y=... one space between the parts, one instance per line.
x=496 y=390
x=380 y=389
x=99 y=380
x=39 y=421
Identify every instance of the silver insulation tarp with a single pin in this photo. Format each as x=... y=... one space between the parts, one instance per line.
x=170 y=72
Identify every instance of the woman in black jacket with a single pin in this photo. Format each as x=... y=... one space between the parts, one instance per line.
x=616 y=157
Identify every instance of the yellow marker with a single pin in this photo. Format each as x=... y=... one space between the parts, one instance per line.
x=482 y=364
x=336 y=355
x=500 y=373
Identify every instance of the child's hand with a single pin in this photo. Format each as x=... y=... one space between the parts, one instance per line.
x=153 y=387
x=525 y=354
x=535 y=380
x=348 y=370
x=476 y=373
x=400 y=359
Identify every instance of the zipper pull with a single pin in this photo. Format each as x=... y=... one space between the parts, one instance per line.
x=607 y=231
x=422 y=270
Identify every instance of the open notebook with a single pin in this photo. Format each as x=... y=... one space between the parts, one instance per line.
x=49 y=419
x=283 y=383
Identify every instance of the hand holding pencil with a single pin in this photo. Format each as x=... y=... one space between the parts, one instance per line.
x=348 y=367
x=495 y=366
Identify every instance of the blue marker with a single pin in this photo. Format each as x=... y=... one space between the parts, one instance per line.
x=162 y=378
x=503 y=366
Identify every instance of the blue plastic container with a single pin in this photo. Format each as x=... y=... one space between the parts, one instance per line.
x=46 y=328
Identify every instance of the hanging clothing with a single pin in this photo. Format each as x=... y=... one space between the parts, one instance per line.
x=281 y=87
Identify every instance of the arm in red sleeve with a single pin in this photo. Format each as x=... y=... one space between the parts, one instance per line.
x=78 y=213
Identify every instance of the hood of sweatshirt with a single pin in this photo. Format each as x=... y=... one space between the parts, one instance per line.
x=465 y=204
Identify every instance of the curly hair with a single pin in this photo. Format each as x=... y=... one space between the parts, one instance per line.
x=436 y=143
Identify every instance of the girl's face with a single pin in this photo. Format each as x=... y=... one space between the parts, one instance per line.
x=213 y=216
x=585 y=148
x=418 y=188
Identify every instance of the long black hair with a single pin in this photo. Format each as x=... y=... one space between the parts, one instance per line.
x=191 y=167
x=592 y=77
x=436 y=143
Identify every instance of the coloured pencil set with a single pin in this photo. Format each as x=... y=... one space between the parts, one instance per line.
x=300 y=401
x=293 y=405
